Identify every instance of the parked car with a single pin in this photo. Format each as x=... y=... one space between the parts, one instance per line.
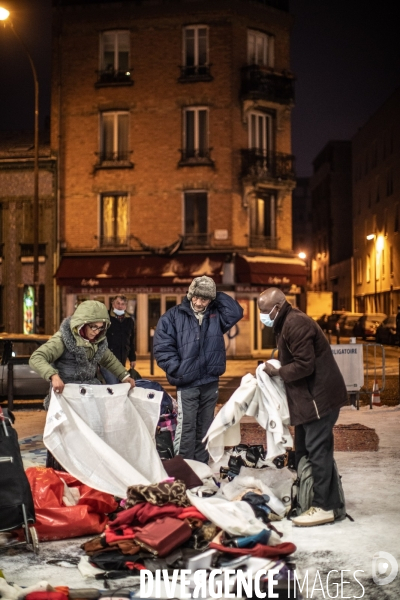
x=386 y=331
x=367 y=325
x=346 y=322
x=17 y=349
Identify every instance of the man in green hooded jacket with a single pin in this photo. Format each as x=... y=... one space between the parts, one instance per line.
x=73 y=354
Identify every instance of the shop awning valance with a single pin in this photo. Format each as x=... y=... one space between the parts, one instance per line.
x=270 y=270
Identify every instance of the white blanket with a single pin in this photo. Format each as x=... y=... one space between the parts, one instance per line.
x=104 y=439
x=262 y=397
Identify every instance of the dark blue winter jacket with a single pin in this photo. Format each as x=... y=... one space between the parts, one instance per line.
x=191 y=354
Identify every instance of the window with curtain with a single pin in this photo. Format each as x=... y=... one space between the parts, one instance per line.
x=196 y=213
x=114 y=56
x=114 y=220
x=196 y=133
x=260 y=48
x=195 y=51
x=263 y=221
x=114 y=136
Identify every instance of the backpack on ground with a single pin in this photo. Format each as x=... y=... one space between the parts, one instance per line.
x=303 y=491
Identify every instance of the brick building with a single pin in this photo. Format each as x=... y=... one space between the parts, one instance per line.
x=331 y=193
x=376 y=212
x=16 y=234
x=171 y=122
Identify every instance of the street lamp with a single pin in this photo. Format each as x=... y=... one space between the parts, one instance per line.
x=5 y=16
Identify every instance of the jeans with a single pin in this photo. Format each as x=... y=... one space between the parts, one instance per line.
x=109 y=377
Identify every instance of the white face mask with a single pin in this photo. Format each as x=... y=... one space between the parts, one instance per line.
x=118 y=312
x=266 y=319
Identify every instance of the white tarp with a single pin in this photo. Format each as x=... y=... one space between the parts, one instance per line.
x=104 y=439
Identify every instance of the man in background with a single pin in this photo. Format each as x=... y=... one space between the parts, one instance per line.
x=120 y=336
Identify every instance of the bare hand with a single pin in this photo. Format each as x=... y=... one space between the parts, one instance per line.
x=57 y=383
x=130 y=380
x=133 y=364
x=270 y=370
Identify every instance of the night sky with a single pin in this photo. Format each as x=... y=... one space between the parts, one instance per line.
x=346 y=61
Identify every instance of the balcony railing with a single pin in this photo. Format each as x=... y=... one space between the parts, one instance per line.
x=196 y=240
x=263 y=241
x=120 y=158
x=114 y=77
x=264 y=166
x=114 y=241
x=195 y=73
x=195 y=158
x=259 y=82
x=27 y=249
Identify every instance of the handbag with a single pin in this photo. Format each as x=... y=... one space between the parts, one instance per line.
x=162 y=536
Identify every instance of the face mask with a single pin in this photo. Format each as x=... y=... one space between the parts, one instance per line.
x=118 y=312
x=266 y=319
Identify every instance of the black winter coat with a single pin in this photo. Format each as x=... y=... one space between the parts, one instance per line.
x=191 y=354
x=121 y=338
x=313 y=381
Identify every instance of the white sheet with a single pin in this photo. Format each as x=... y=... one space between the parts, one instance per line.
x=106 y=440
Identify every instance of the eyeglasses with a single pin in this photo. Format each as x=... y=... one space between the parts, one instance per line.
x=95 y=328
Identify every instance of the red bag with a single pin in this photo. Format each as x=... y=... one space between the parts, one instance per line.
x=163 y=535
x=54 y=520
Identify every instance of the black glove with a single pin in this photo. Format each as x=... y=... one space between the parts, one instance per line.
x=270 y=370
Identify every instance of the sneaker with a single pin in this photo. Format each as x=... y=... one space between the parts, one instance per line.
x=314 y=516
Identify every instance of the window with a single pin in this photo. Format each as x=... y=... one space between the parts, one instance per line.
x=368 y=269
x=114 y=57
x=114 y=137
x=195 y=53
x=263 y=221
x=391 y=261
x=260 y=49
x=259 y=132
x=196 y=213
x=195 y=135
x=359 y=271
x=114 y=220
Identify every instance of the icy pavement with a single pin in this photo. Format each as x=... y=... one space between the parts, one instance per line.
x=371 y=482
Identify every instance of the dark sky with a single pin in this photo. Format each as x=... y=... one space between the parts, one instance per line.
x=346 y=60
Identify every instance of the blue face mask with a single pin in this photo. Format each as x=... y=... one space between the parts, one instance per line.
x=266 y=319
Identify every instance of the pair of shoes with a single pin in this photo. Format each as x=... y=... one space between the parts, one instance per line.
x=314 y=516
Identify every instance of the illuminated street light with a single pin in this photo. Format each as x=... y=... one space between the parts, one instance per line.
x=4 y=16
x=302 y=255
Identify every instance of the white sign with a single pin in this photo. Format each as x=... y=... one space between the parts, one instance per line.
x=349 y=358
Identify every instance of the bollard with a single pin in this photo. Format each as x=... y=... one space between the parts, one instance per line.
x=151 y=351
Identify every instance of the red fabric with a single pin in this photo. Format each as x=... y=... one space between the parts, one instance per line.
x=190 y=512
x=259 y=550
x=126 y=534
x=46 y=596
x=54 y=521
x=142 y=513
x=134 y=565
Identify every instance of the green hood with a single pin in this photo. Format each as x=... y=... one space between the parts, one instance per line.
x=90 y=311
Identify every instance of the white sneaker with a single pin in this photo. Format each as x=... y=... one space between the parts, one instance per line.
x=314 y=516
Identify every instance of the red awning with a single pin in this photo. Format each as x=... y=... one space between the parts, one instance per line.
x=270 y=270
x=113 y=271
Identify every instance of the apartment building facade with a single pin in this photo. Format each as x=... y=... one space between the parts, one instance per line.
x=331 y=194
x=376 y=212
x=17 y=292
x=172 y=127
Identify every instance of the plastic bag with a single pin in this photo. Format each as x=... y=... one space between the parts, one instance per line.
x=54 y=520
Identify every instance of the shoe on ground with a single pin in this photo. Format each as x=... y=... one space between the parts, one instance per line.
x=314 y=516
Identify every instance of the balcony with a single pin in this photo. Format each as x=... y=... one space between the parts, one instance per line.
x=260 y=83
x=262 y=166
x=114 y=242
x=196 y=240
x=263 y=241
x=195 y=158
x=26 y=253
x=114 y=160
x=193 y=73
x=113 y=77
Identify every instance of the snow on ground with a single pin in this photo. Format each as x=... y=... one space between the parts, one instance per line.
x=371 y=482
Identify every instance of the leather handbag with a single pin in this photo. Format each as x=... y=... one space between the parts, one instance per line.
x=162 y=536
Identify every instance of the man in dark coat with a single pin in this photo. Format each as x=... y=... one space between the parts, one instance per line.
x=120 y=336
x=189 y=346
x=315 y=392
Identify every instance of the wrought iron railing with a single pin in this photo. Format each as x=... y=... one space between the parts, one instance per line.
x=195 y=73
x=194 y=157
x=259 y=82
x=263 y=241
x=114 y=76
x=196 y=240
x=261 y=165
x=27 y=249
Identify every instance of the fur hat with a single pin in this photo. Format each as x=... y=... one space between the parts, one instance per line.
x=203 y=286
